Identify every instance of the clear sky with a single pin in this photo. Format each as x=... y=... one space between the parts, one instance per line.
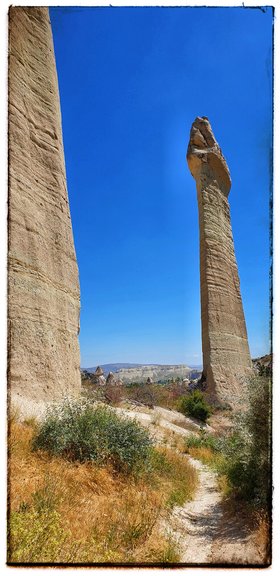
x=132 y=80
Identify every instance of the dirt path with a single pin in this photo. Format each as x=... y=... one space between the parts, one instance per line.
x=206 y=534
x=206 y=531
x=196 y=522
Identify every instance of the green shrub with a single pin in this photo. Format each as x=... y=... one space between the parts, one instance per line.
x=204 y=440
x=248 y=449
x=81 y=431
x=244 y=454
x=195 y=405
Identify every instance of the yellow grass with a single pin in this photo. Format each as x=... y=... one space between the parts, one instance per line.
x=206 y=455
x=63 y=511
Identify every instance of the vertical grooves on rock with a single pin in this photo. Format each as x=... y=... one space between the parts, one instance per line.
x=43 y=284
x=226 y=356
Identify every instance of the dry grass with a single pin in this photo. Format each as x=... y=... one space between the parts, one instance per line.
x=63 y=511
x=206 y=455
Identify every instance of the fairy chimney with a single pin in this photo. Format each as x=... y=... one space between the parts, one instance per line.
x=226 y=355
x=110 y=379
x=98 y=371
x=43 y=283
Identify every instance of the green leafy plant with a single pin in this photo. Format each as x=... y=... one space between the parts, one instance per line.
x=204 y=440
x=81 y=431
x=243 y=455
x=194 y=404
x=248 y=449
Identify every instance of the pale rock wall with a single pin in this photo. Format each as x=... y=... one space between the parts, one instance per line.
x=226 y=355
x=43 y=284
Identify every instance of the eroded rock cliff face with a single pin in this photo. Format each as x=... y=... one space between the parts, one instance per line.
x=226 y=356
x=43 y=285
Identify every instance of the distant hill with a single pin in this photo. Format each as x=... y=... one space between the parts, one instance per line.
x=112 y=367
x=264 y=360
x=263 y=364
x=140 y=372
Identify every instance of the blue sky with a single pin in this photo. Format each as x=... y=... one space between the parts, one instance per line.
x=131 y=82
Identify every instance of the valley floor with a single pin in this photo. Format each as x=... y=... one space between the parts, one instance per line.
x=202 y=531
x=207 y=531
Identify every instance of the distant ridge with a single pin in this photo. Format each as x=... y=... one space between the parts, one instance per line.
x=113 y=367
x=129 y=372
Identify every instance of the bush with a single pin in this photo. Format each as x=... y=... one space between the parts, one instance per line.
x=204 y=440
x=70 y=512
x=248 y=450
x=80 y=431
x=112 y=394
x=243 y=456
x=195 y=405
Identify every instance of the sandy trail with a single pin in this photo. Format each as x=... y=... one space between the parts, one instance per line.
x=196 y=522
x=206 y=532
x=204 y=535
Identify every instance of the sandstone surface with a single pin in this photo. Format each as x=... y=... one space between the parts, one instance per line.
x=226 y=355
x=43 y=284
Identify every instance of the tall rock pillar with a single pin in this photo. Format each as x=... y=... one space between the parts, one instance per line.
x=226 y=355
x=43 y=284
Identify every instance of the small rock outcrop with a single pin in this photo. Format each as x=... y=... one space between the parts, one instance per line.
x=43 y=284
x=110 y=380
x=98 y=371
x=101 y=380
x=149 y=380
x=119 y=382
x=98 y=377
x=226 y=356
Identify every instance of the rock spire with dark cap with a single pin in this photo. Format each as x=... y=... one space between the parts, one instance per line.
x=110 y=378
x=226 y=356
x=98 y=371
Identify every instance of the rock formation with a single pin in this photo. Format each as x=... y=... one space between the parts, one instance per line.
x=226 y=356
x=119 y=382
x=99 y=371
x=110 y=380
x=43 y=285
x=157 y=373
x=98 y=377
